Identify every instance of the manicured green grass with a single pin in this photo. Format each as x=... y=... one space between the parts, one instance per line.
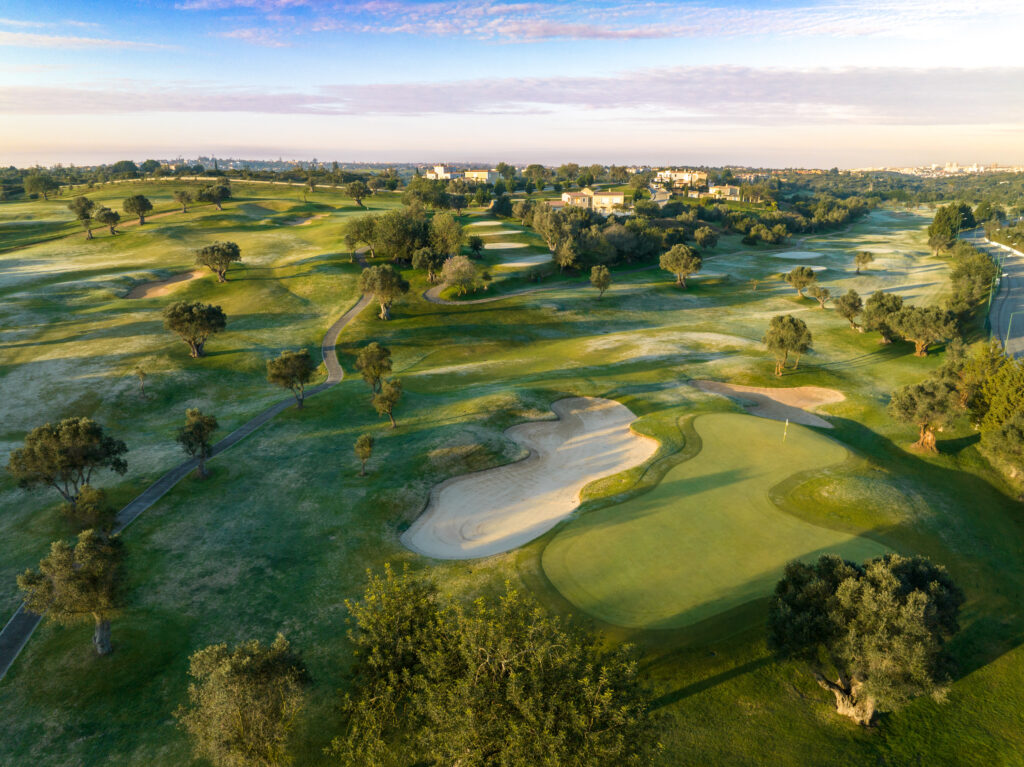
x=283 y=532
x=707 y=538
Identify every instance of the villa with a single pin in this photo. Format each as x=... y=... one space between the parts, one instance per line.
x=602 y=201
x=681 y=178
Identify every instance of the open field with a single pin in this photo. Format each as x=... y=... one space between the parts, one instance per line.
x=284 y=530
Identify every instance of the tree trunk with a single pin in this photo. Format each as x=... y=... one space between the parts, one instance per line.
x=221 y=275
x=393 y=424
x=300 y=395
x=385 y=311
x=101 y=636
x=926 y=439
x=142 y=219
x=920 y=348
x=849 y=702
x=196 y=349
x=362 y=469
x=218 y=206
x=797 y=363
x=184 y=209
x=203 y=473
x=88 y=232
x=112 y=230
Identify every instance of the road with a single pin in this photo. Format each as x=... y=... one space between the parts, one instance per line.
x=1006 y=314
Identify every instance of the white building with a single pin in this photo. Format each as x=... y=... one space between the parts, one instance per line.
x=443 y=173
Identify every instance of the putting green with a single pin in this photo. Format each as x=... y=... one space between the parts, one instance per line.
x=707 y=538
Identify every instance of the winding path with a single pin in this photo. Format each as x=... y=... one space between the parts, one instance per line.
x=15 y=635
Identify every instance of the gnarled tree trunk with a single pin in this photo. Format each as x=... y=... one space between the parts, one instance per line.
x=385 y=311
x=920 y=348
x=850 y=701
x=926 y=439
x=101 y=636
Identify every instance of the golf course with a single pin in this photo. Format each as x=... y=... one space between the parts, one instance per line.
x=620 y=457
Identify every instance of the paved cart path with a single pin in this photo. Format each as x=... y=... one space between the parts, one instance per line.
x=15 y=635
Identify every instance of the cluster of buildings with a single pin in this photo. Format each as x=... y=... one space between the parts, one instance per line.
x=446 y=173
x=677 y=179
x=727 y=192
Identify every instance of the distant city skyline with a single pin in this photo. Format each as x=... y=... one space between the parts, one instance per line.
x=745 y=82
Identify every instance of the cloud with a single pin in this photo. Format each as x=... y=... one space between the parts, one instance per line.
x=256 y=36
x=33 y=40
x=630 y=19
x=21 y=23
x=704 y=96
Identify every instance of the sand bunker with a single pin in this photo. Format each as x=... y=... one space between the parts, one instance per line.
x=797 y=254
x=311 y=219
x=163 y=287
x=779 y=404
x=504 y=245
x=485 y=223
x=496 y=510
x=817 y=269
x=541 y=258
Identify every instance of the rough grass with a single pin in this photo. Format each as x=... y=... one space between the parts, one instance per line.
x=283 y=532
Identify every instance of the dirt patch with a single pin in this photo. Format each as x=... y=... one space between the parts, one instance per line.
x=163 y=287
x=310 y=220
x=779 y=404
x=496 y=510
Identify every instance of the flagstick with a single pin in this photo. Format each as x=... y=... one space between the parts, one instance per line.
x=785 y=430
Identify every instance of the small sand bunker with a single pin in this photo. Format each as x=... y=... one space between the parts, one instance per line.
x=817 y=268
x=498 y=232
x=504 y=245
x=485 y=223
x=541 y=258
x=778 y=404
x=310 y=220
x=797 y=254
x=499 y=509
x=163 y=287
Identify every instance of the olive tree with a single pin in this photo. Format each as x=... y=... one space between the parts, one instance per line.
x=39 y=183
x=218 y=257
x=475 y=243
x=363 y=449
x=386 y=285
x=194 y=323
x=705 y=237
x=109 y=218
x=78 y=583
x=83 y=208
x=65 y=456
x=929 y=405
x=601 y=279
x=446 y=234
x=215 y=194
x=373 y=362
x=682 y=261
x=460 y=273
x=243 y=703
x=195 y=437
x=494 y=682
x=183 y=197
x=873 y=635
x=820 y=294
x=138 y=205
x=385 y=400
x=430 y=261
x=292 y=370
x=787 y=335
x=358 y=190
x=862 y=259
x=878 y=312
x=849 y=306
x=801 y=277
x=924 y=325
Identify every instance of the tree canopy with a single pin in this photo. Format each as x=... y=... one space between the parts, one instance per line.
x=292 y=370
x=682 y=261
x=195 y=437
x=787 y=335
x=218 y=257
x=214 y=194
x=109 y=218
x=373 y=362
x=459 y=273
x=78 y=583
x=363 y=448
x=65 y=456
x=243 y=703
x=924 y=325
x=849 y=306
x=194 y=323
x=873 y=634
x=386 y=285
x=82 y=208
x=601 y=279
x=878 y=312
x=386 y=399
x=495 y=683
x=138 y=205
x=929 y=405
x=358 y=191
x=801 y=277
x=446 y=235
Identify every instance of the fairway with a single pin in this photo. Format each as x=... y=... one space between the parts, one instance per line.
x=707 y=538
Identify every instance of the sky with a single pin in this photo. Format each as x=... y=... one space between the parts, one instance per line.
x=795 y=83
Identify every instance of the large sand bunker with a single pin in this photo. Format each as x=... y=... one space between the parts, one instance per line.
x=163 y=287
x=780 y=404
x=504 y=245
x=496 y=510
x=485 y=223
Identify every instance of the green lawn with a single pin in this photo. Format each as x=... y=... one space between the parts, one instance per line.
x=707 y=538
x=284 y=530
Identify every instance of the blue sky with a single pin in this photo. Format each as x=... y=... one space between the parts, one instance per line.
x=849 y=83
